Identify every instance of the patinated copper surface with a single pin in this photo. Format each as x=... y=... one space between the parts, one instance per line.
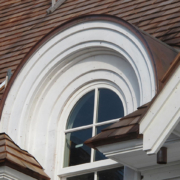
x=14 y=157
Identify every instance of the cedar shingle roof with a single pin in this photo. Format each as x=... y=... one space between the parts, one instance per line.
x=127 y=128
x=24 y=23
x=14 y=157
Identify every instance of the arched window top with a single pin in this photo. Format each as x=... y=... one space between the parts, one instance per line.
x=93 y=112
x=109 y=106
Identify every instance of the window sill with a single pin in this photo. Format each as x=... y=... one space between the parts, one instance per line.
x=88 y=167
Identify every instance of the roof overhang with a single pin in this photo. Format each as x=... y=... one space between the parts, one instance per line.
x=130 y=153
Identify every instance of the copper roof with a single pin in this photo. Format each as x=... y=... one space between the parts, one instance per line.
x=14 y=157
x=127 y=128
x=24 y=23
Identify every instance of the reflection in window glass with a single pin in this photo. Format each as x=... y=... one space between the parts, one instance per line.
x=110 y=106
x=99 y=155
x=113 y=174
x=76 y=152
x=83 y=177
x=82 y=113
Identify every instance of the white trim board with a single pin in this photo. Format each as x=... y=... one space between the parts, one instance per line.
x=163 y=116
x=7 y=173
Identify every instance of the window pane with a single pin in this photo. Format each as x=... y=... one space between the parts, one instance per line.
x=110 y=105
x=76 y=152
x=83 y=177
x=82 y=113
x=99 y=155
x=113 y=174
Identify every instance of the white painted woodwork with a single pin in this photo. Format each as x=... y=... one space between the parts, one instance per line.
x=90 y=54
x=88 y=168
x=131 y=154
x=163 y=116
x=169 y=171
x=7 y=173
x=130 y=174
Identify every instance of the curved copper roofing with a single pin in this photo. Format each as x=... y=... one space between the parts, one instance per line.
x=160 y=54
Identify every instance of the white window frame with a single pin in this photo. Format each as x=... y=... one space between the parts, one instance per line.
x=93 y=166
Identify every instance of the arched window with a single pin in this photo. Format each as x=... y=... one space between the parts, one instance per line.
x=93 y=112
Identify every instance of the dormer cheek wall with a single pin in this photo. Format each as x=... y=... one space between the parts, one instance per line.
x=88 y=53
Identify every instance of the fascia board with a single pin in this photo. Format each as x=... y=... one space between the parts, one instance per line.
x=163 y=115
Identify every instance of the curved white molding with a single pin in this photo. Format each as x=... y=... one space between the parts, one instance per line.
x=99 y=52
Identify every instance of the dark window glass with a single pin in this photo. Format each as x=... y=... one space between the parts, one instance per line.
x=113 y=174
x=83 y=177
x=110 y=106
x=99 y=155
x=82 y=113
x=76 y=152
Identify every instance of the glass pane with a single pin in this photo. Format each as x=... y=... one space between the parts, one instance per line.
x=76 y=152
x=99 y=155
x=82 y=113
x=83 y=177
x=110 y=106
x=112 y=174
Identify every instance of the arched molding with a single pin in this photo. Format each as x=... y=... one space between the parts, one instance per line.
x=82 y=53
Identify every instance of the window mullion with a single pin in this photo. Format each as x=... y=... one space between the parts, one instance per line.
x=95 y=176
x=94 y=120
x=95 y=108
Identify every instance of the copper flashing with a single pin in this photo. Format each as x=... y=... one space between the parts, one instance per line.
x=171 y=69
x=14 y=157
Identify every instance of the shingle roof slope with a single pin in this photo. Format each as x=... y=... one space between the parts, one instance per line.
x=24 y=23
x=125 y=129
x=13 y=156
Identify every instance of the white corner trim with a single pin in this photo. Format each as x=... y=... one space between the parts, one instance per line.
x=162 y=117
x=55 y=5
x=7 y=173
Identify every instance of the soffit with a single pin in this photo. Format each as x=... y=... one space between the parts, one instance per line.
x=24 y=23
x=13 y=156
